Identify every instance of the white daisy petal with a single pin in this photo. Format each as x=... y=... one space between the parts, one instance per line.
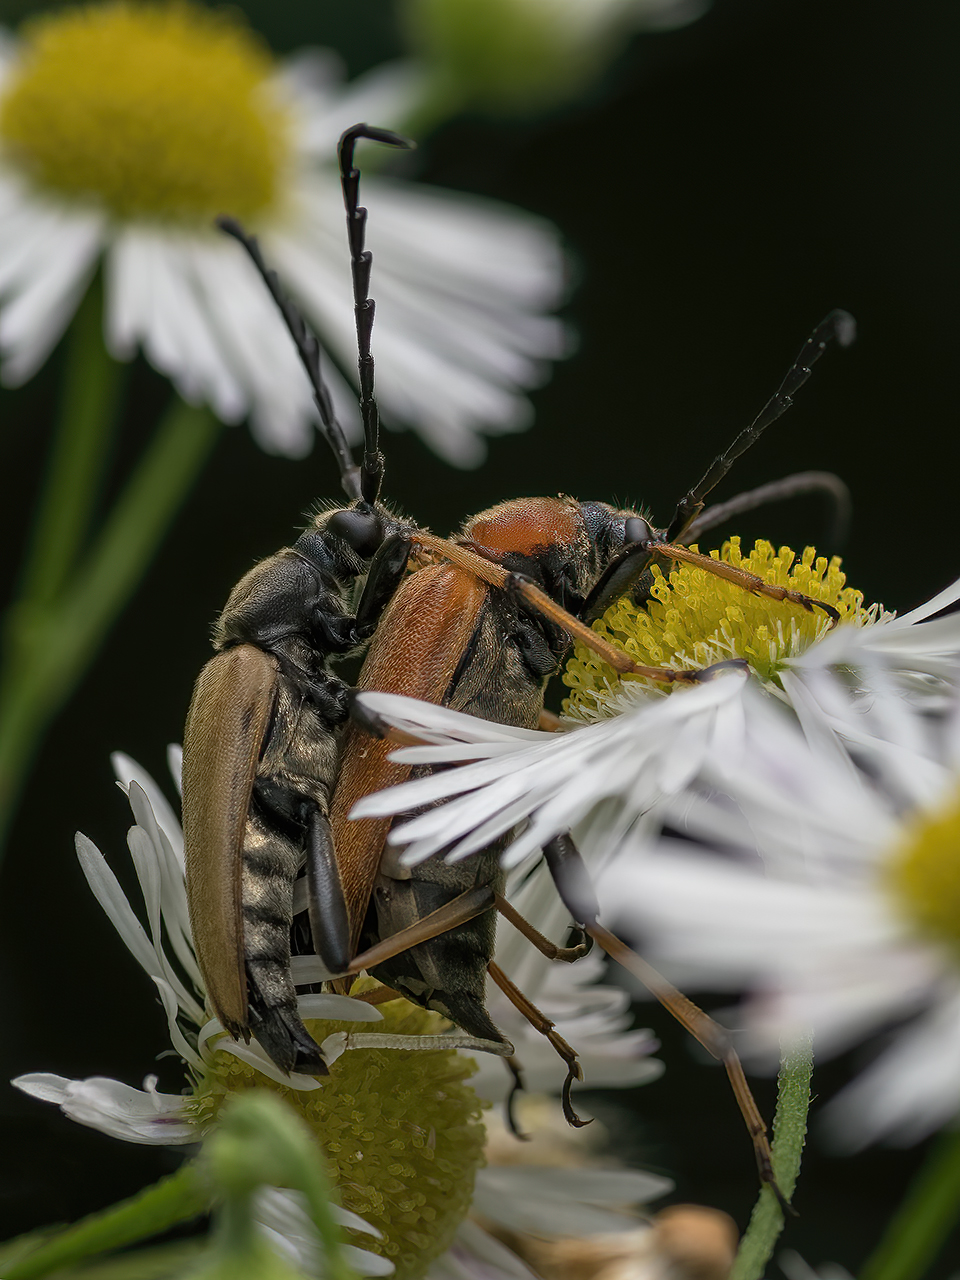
x=127 y=771
x=556 y=779
x=573 y=1202
x=477 y=1255
x=134 y=1115
x=388 y=93
x=283 y=1218
x=47 y=293
x=909 y=1091
x=106 y=889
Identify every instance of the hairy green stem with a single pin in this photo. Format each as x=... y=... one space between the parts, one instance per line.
x=789 y=1131
x=929 y=1213
x=78 y=460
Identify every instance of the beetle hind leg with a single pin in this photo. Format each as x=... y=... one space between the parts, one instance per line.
x=572 y=879
x=540 y=1022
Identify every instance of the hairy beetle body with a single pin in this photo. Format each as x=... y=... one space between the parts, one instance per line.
x=449 y=638
x=260 y=762
x=272 y=766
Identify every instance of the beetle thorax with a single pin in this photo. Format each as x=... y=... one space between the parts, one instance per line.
x=547 y=533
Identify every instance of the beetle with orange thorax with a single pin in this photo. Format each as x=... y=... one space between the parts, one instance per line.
x=277 y=752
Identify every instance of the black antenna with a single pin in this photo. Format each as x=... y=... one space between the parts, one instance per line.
x=838 y=326
x=308 y=349
x=371 y=472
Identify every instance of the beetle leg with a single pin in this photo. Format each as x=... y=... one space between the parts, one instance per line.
x=516 y=1086
x=460 y=910
x=387 y=568
x=537 y=600
x=742 y=578
x=327 y=908
x=540 y=1022
x=543 y=944
x=445 y=1040
x=575 y=888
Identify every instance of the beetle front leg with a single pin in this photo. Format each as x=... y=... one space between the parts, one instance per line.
x=387 y=569
x=326 y=905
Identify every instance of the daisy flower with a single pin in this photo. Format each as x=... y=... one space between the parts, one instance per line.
x=125 y=129
x=835 y=903
x=401 y=1126
x=627 y=743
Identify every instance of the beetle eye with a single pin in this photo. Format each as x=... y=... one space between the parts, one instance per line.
x=361 y=530
x=635 y=530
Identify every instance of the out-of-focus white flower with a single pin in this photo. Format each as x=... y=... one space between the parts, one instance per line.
x=835 y=903
x=125 y=129
x=628 y=746
x=400 y=1126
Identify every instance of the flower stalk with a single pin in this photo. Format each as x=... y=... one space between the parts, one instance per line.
x=929 y=1212
x=789 y=1132
x=74 y=586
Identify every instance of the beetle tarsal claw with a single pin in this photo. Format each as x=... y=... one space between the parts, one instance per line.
x=574 y=1072
x=516 y=1087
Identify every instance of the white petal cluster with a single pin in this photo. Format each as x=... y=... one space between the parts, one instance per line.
x=606 y=779
x=606 y=774
x=805 y=790
x=463 y=286
x=799 y=910
x=595 y=1017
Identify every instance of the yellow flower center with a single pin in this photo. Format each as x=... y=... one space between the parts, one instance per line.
x=151 y=110
x=694 y=619
x=400 y=1128
x=924 y=875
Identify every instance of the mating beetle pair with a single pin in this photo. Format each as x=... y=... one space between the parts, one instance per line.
x=273 y=761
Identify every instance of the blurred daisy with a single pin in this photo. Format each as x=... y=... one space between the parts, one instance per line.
x=126 y=128
x=835 y=904
x=628 y=745
x=400 y=1125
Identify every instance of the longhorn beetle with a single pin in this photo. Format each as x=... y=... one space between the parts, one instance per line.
x=273 y=763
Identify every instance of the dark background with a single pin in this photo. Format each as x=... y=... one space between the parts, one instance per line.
x=725 y=186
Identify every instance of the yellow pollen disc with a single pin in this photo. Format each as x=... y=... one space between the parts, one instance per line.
x=401 y=1130
x=924 y=876
x=694 y=619
x=152 y=110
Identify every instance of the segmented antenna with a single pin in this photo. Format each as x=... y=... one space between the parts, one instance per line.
x=838 y=326
x=308 y=349
x=371 y=471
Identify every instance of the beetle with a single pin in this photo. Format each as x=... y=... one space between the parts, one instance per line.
x=273 y=761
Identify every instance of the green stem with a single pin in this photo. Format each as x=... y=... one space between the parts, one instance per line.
x=923 y=1222
x=49 y=650
x=173 y=1200
x=88 y=412
x=789 y=1131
